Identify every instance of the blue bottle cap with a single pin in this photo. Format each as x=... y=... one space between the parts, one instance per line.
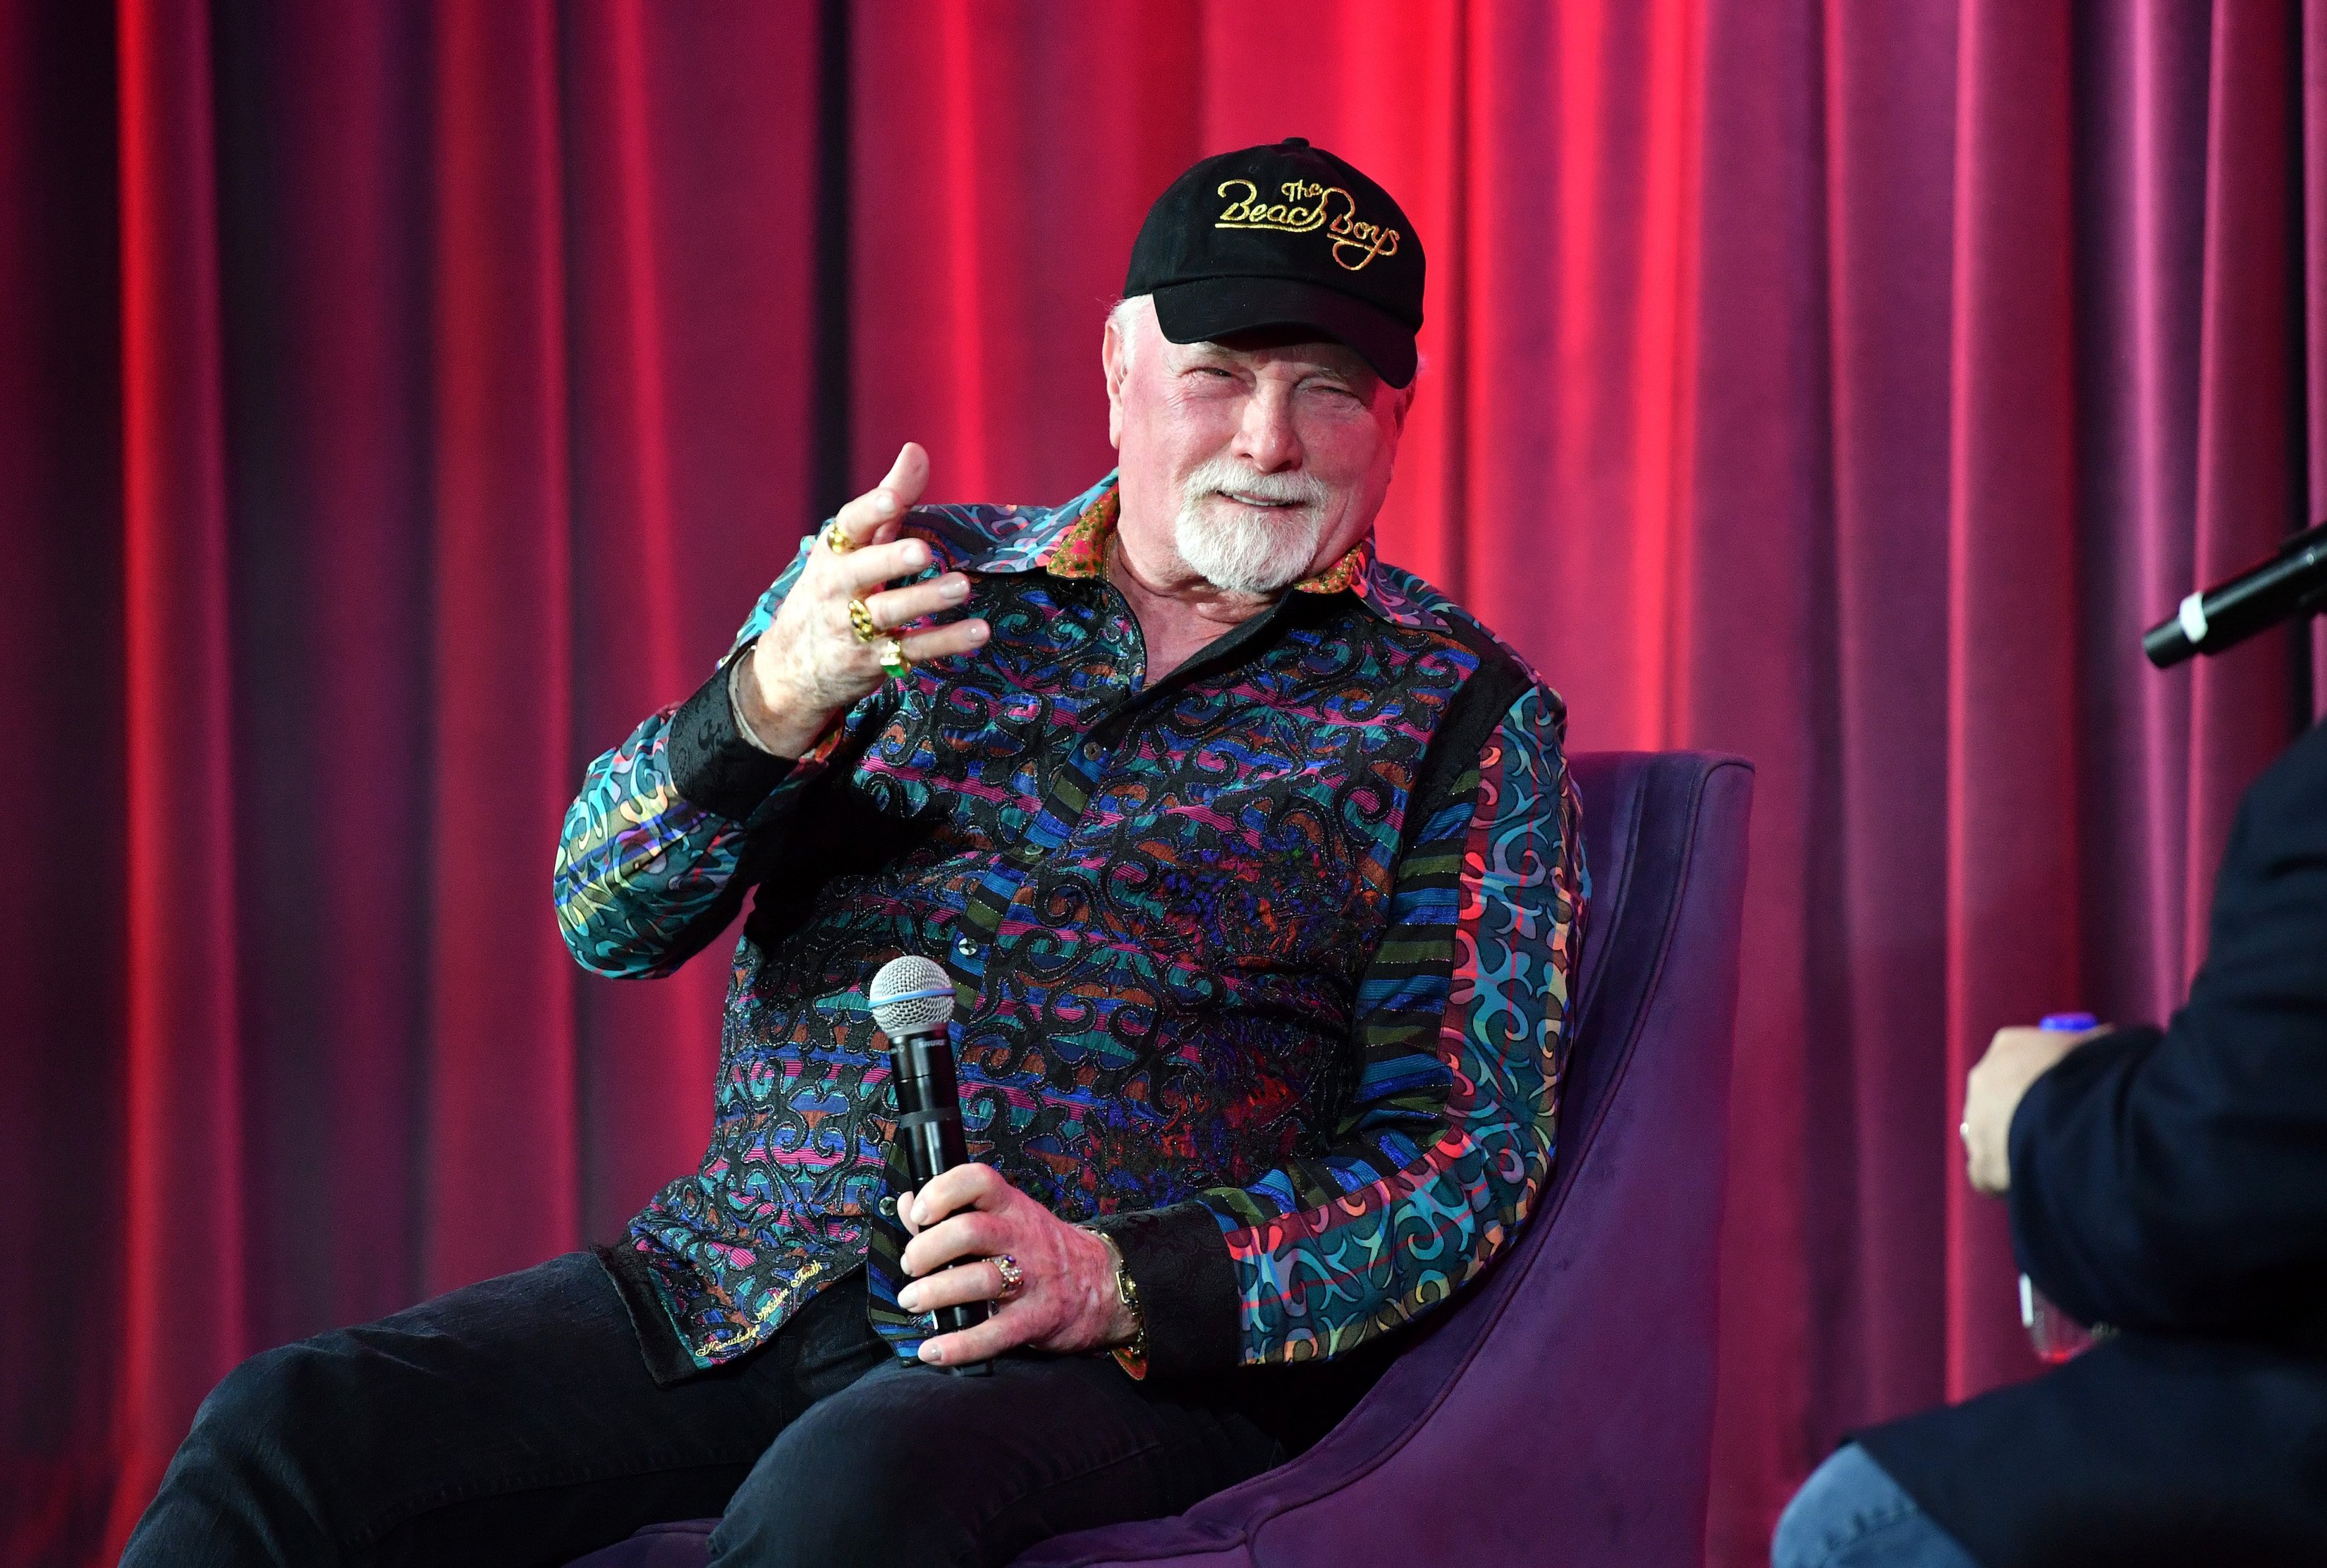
x=2070 y=1022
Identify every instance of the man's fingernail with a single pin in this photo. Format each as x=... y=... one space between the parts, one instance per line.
x=910 y=1298
x=977 y=633
x=884 y=505
x=931 y=1354
x=917 y=555
x=959 y=589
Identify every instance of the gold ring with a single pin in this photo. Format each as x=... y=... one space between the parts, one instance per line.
x=835 y=539
x=860 y=621
x=1013 y=1278
x=892 y=657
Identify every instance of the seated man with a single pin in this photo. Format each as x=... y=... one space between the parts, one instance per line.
x=2172 y=1185
x=1256 y=868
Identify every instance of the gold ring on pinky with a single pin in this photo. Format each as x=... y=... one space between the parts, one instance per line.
x=860 y=621
x=835 y=539
x=1013 y=1278
x=892 y=657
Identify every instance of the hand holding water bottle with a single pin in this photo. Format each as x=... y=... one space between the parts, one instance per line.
x=2017 y=1058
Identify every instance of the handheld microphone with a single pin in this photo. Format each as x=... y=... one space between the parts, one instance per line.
x=913 y=1002
x=2292 y=582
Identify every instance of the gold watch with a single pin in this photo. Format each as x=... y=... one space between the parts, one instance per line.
x=1131 y=1357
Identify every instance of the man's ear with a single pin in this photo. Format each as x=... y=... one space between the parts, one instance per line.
x=1114 y=363
x=1401 y=404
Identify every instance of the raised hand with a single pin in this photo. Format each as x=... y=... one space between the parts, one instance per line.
x=810 y=665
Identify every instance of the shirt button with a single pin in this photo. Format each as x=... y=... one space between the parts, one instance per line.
x=1090 y=751
x=964 y=947
x=888 y=1206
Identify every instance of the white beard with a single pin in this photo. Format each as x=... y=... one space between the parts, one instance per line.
x=1234 y=548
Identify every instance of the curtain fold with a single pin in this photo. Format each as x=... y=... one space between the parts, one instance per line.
x=1874 y=1257
x=324 y=241
x=64 y=1059
x=2011 y=844
x=181 y=1113
x=400 y=402
x=501 y=1179
x=2252 y=422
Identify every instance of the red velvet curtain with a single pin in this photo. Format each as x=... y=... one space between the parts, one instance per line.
x=397 y=401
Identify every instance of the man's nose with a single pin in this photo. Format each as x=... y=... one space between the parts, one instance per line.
x=1265 y=438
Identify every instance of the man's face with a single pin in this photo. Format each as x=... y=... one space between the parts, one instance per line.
x=1249 y=465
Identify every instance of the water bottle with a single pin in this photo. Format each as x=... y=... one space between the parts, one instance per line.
x=2055 y=1335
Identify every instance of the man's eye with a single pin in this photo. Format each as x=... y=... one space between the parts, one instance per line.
x=1212 y=370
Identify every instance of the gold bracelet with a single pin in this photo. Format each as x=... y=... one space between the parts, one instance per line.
x=1131 y=1357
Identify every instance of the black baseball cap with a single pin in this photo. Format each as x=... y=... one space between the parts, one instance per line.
x=1285 y=235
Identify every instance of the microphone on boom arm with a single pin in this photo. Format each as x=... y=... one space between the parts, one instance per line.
x=913 y=1002
x=2292 y=582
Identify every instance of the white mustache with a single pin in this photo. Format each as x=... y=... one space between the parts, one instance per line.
x=1226 y=475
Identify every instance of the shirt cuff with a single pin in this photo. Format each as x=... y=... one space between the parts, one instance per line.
x=713 y=764
x=1187 y=1286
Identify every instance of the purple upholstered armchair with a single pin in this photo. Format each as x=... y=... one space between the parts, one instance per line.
x=1562 y=1409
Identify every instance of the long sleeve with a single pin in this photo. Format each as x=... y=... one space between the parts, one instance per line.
x=647 y=859
x=2178 y=1179
x=1448 y=1134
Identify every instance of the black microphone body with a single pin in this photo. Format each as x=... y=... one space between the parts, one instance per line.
x=2292 y=582
x=913 y=1002
x=929 y=1130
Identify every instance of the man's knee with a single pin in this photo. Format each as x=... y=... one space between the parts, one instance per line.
x=284 y=1395
x=844 y=1487
x=1851 y=1512
x=1829 y=1512
x=285 y=1425
x=250 y=1475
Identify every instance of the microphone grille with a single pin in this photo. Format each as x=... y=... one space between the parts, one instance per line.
x=911 y=996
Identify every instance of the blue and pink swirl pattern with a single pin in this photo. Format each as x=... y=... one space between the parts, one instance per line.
x=1285 y=940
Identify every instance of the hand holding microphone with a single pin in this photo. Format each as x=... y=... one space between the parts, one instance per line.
x=912 y=1002
x=998 y=1269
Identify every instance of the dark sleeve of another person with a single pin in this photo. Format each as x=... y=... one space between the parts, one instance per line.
x=2178 y=1179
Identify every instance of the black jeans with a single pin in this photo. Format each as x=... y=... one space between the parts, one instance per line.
x=515 y=1422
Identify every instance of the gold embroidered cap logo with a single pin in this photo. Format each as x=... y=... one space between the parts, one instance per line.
x=1308 y=206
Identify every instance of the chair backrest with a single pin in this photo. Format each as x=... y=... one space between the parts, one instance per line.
x=1561 y=1410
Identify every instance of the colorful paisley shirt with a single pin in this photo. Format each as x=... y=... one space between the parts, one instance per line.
x=1262 y=970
